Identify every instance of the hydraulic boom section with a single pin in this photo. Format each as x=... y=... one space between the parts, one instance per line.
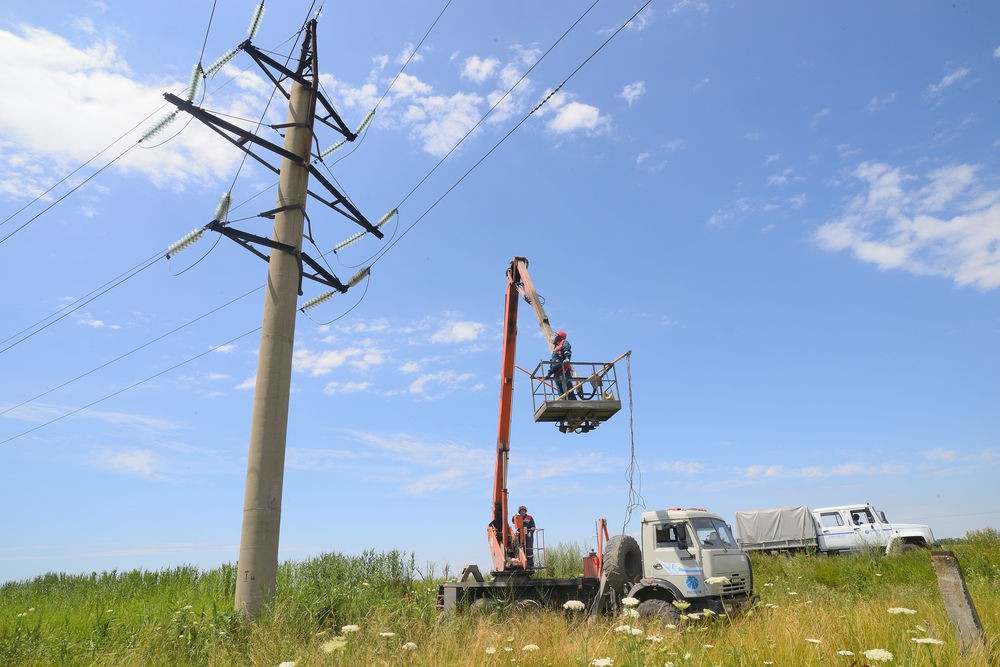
x=514 y=550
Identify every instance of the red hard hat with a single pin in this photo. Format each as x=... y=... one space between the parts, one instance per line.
x=560 y=334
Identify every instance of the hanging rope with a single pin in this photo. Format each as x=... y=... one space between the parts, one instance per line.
x=633 y=474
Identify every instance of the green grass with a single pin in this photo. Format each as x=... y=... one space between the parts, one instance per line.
x=183 y=616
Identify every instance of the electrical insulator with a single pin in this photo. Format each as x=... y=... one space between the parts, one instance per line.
x=222 y=210
x=387 y=217
x=185 y=243
x=258 y=14
x=331 y=149
x=312 y=303
x=350 y=241
x=220 y=62
x=158 y=127
x=359 y=276
x=365 y=122
x=194 y=83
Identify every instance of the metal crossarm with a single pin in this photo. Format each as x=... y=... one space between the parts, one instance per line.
x=240 y=137
x=332 y=119
x=245 y=239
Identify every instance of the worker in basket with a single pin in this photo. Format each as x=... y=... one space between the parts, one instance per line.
x=523 y=520
x=559 y=367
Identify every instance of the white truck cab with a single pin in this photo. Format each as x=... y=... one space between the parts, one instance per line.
x=682 y=551
x=859 y=527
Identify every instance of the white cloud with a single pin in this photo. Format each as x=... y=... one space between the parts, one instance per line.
x=819 y=116
x=408 y=54
x=781 y=179
x=946 y=455
x=479 y=69
x=944 y=223
x=576 y=116
x=693 y=5
x=681 y=467
x=410 y=367
x=432 y=386
x=772 y=158
x=83 y=95
x=249 y=383
x=996 y=52
x=361 y=356
x=949 y=80
x=458 y=332
x=632 y=92
x=346 y=387
x=137 y=462
x=644 y=18
x=879 y=103
x=225 y=348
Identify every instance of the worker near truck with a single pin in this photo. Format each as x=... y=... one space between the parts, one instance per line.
x=559 y=366
x=524 y=520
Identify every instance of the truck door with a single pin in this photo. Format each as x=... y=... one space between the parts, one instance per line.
x=835 y=534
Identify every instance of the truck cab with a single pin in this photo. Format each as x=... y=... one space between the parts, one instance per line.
x=684 y=549
x=858 y=527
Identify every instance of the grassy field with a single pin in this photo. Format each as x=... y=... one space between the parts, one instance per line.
x=378 y=609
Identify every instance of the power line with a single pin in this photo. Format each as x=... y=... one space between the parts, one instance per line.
x=379 y=255
x=65 y=312
x=132 y=351
x=129 y=387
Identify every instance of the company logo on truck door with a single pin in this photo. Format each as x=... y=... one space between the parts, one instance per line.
x=677 y=568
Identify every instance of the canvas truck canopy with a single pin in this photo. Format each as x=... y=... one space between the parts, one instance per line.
x=781 y=526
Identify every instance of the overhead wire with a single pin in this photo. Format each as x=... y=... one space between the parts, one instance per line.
x=381 y=253
x=378 y=256
x=132 y=351
x=128 y=388
x=633 y=474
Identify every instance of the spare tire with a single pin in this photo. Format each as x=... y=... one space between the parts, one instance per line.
x=622 y=561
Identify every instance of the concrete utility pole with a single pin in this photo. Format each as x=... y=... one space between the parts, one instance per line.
x=258 y=561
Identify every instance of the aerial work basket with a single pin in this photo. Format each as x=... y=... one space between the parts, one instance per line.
x=579 y=403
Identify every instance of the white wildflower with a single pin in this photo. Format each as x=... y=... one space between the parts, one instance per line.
x=287 y=663
x=602 y=662
x=349 y=628
x=681 y=604
x=926 y=640
x=630 y=613
x=878 y=655
x=623 y=628
x=768 y=584
x=708 y=645
x=654 y=638
x=848 y=653
x=387 y=634
x=814 y=641
x=717 y=580
x=574 y=605
x=878 y=574
x=332 y=645
x=529 y=648
x=409 y=646
x=490 y=650
x=900 y=610
x=708 y=612
x=630 y=602
x=792 y=593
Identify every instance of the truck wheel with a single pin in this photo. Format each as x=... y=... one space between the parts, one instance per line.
x=659 y=610
x=622 y=561
x=905 y=548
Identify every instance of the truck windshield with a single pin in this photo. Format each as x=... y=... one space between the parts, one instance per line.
x=713 y=533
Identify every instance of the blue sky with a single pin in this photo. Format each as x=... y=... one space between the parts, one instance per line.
x=789 y=213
